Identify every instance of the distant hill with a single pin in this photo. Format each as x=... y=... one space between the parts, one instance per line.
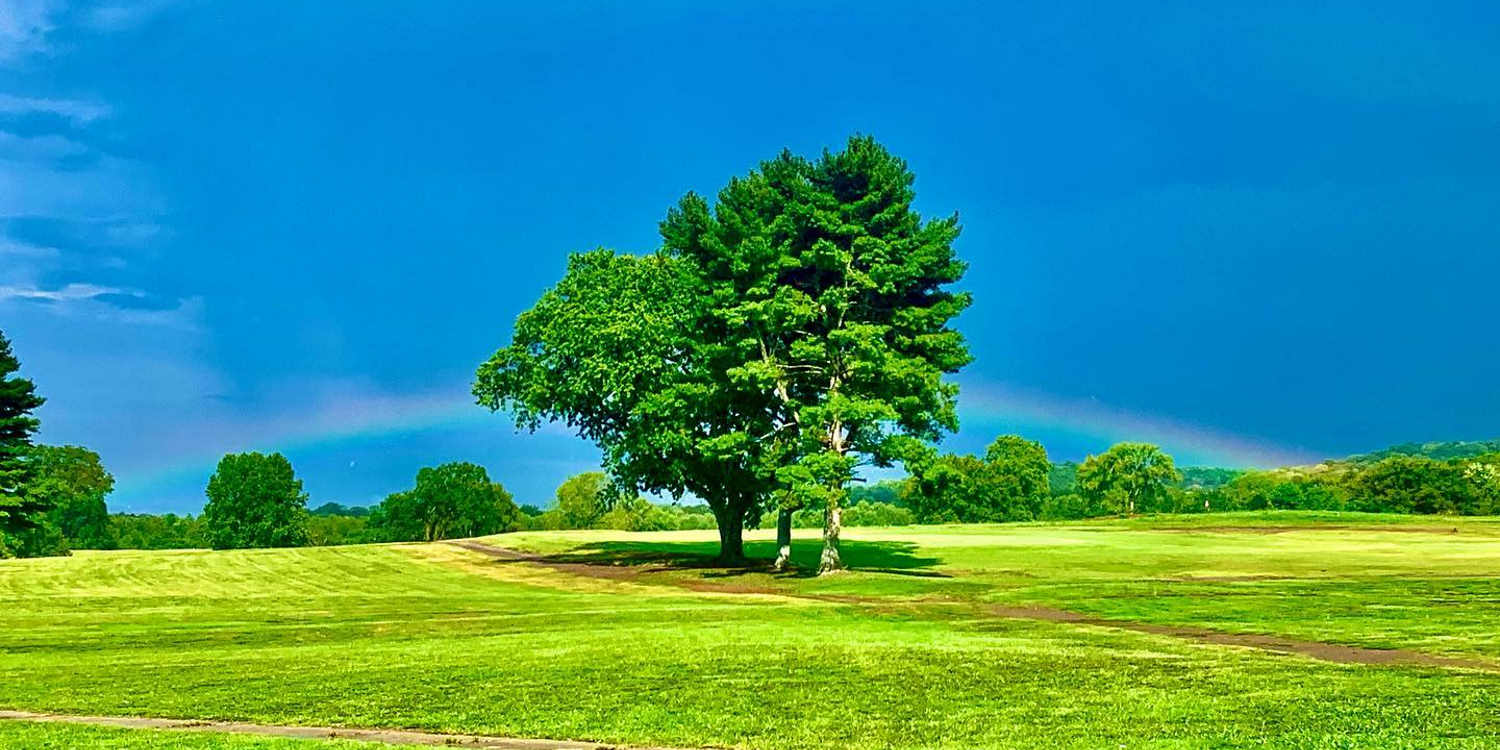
x=1441 y=451
x=1207 y=477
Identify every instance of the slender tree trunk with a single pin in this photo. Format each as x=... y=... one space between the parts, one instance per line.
x=783 y=540
x=831 y=562
x=833 y=517
x=730 y=517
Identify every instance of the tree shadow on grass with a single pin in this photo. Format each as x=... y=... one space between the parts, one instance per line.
x=895 y=558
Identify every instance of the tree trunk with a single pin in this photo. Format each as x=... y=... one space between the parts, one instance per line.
x=731 y=520
x=832 y=524
x=783 y=541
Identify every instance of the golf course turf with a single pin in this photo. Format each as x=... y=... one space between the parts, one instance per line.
x=1230 y=630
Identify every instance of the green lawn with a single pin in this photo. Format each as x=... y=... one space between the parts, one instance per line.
x=908 y=653
x=40 y=736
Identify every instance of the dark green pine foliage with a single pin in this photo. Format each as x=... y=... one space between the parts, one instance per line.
x=867 y=361
x=18 y=399
x=828 y=305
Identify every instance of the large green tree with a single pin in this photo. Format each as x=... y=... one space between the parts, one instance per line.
x=615 y=352
x=1127 y=476
x=1009 y=484
x=793 y=330
x=73 y=482
x=583 y=499
x=255 y=500
x=450 y=501
x=19 y=510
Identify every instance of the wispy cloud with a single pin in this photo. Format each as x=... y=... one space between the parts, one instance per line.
x=64 y=294
x=109 y=303
x=76 y=111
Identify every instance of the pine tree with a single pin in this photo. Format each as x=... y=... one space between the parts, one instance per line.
x=18 y=399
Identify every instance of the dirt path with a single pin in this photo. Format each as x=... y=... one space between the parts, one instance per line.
x=387 y=736
x=1330 y=652
x=1316 y=649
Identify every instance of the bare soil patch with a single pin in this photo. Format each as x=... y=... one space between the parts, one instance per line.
x=1316 y=649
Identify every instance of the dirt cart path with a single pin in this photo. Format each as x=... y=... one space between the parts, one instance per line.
x=387 y=736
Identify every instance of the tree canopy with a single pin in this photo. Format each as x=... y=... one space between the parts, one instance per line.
x=450 y=501
x=72 y=482
x=255 y=500
x=1127 y=476
x=583 y=499
x=1008 y=484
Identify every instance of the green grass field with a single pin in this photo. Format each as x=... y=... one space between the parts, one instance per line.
x=913 y=649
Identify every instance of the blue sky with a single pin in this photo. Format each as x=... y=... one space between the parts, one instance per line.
x=1256 y=233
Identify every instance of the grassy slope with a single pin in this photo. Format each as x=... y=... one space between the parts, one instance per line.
x=434 y=637
x=1381 y=581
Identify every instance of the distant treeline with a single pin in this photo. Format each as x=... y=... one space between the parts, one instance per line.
x=1011 y=483
x=1461 y=478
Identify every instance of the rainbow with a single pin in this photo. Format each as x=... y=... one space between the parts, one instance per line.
x=985 y=410
x=334 y=425
x=1088 y=421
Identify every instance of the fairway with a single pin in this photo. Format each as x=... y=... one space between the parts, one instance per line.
x=1379 y=631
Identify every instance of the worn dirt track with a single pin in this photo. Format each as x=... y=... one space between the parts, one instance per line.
x=1331 y=652
x=387 y=736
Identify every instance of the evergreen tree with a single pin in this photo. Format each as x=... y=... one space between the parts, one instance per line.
x=19 y=512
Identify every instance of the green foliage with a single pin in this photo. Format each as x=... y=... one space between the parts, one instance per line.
x=73 y=483
x=861 y=513
x=1207 y=477
x=1410 y=484
x=328 y=529
x=1440 y=451
x=1063 y=478
x=1128 y=477
x=450 y=501
x=639 y=514
x=165 y=531
x=832 y=301
x=583 y=499
x=887 y=491
x=255 y=500
x=1009 y=484
x=617 y=350
x=20 y=512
